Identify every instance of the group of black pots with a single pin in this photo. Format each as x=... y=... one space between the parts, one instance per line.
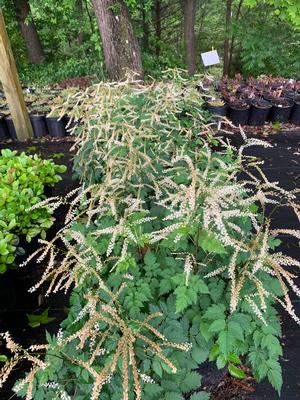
x=258 y=111
x=41 y=126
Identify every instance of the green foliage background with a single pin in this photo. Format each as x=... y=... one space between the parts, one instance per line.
x=266 y=37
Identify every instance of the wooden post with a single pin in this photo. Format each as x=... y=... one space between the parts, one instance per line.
x=12 y=87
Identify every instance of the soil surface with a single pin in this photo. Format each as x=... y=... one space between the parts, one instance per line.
x=282 y=164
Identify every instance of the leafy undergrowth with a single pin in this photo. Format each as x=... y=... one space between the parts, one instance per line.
x=24 y=180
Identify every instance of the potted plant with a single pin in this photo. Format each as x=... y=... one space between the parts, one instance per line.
x=238 y=111
x=38 y=122
x=56 y=125
x=259 y=111
x=295 y=115
x=281 y=110
x=4 y=134
x=217 y=106
x=10 y=126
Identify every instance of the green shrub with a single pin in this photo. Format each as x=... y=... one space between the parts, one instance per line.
x=23 y=180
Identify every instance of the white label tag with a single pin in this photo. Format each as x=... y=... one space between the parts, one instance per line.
x=210 y=58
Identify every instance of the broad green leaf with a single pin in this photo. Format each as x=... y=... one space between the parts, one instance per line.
x=199 y=355
x=204 y=329
x=173 y=396
x=217 y=326
x=191 y=381
x=200 y=396
x=216 y=311
x=214 y=351
x=3 y=358
x=236 y=372
x=221 y=361
x=157 y=368
x=208 y=242
x=235 y=330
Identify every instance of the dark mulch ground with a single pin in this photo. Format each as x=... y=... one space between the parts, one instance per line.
x=282 y=164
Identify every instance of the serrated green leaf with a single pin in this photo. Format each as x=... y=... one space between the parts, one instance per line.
x=200 y=396
x=221 y=361
x=226 y=342
x=152 y=390
x=236 y=372
x=85 y=375
x=216 y=311
x=204 y=329
x=191 y=381
x=235 y=330
x=272 y=344
x=149 y=258
x=165 y=286
x=157 y=368
x=234 y=358
x=214 y=351
x=199 y=355
x=173 y=396
x=217 y=326
x=275 y=378
x=208 y=242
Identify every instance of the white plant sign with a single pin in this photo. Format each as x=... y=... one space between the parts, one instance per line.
x=210 y=58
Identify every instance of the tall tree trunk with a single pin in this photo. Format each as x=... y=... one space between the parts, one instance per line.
x=79 y=8
x=189 y=34
x=226 y=40
x=145 y=26
x=157 y=26
x=238 y=13
x=29 y=31
x=121 y=48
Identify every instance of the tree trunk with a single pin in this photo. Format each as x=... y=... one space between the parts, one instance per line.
x=238 y=13
x=226 y=40
x=189 y=34
x=79 y=8
x=29 y=31
x=157 y=26
x=121 y=48
x=145 y=26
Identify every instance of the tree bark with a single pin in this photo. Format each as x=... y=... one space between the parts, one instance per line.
x=189 y=34
x=29 y=32
x=79 y=8
x=238 y=13
x=145 y=26
x=121 y=48
x=226 y=40
x=157 y=26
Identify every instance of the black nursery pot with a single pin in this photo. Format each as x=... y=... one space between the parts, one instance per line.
x=259 y=112
x=220 y=111
x=237 y=115
x=11 y=128
x=295 y=115
x=3 y=128
x=56 y=128
x=39 y=125
x=281 y=113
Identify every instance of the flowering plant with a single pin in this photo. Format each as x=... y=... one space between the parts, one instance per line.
x=171 y=261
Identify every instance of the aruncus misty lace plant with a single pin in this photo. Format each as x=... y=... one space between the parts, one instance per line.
x=169 y=260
